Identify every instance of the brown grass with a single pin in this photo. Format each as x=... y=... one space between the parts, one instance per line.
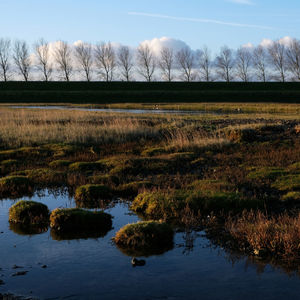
x=276 y=235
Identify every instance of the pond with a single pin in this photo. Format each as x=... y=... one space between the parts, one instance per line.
x=155 y=110
x=94 y=268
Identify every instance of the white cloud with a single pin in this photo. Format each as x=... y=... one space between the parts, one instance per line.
x=247 y=2
x=157 y=44
x=248 y=45
x=287 y=40
x=199 y=20
x=266 y=43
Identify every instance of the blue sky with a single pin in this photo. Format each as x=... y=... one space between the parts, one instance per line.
x=197 y=22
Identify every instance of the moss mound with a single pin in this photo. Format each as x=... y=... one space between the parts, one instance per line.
x=85 y=166
x=59 y=164
x=70 y=219
x=15 y=186
x=92 y=195
x=46 y=177
x=144 y=236
x=171 y=204
x=132 y=189
x=29 y=212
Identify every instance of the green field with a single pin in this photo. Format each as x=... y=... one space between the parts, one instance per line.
x=154 y=92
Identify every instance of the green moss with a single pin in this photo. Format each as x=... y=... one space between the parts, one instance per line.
x=6 y=166
x=92 y=196
x=291 y=196
x=132 y=189
x=59 y=164
x=169 y=205
x=266 y=172
x=154 y=151
x=73 y=219
x=144 y=235
x=59 y=150
x=15 y=186
x=29 y=212
x=289 y=182
x=294 y=167
x=46 y=177
x=211 y=185
x=160 y=205
x=85 y=166
x=107 y=179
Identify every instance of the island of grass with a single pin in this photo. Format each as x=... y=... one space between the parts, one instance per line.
x=92 y=196
x=15 y=186
x=70 y=219
x=145 y=236
x=29 y=213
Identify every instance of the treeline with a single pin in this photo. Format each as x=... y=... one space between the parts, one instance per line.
x=61 y=61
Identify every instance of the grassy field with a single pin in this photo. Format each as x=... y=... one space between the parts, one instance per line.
x=236 y=173
x=154 y=92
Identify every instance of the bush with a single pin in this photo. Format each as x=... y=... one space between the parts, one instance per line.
x=145 y=235
x=70 y=219
x=29 y=212
x=90 y=195
x=15 y=186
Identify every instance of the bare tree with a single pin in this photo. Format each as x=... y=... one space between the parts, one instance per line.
x=260 y=63
x=63 y=58
x=225 y=64
x=4 y=58
x=277 y=57
x=105 y=60
x=43 y=57
x=243 y=63
x=186 y=62
x=166 y=62
x=125 y=62
x=21 y=58
x=146 y=62
x=205 y=64
x=293 y=58
x=84 y=56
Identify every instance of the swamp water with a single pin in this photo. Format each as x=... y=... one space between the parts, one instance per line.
x=95 y=268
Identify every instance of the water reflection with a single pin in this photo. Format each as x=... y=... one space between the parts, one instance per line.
x=22 y=229
x=80 y=234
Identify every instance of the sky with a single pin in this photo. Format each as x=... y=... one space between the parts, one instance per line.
x=196 y=22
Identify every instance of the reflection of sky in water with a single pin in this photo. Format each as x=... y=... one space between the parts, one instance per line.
x=96 y=269
x=126 y=110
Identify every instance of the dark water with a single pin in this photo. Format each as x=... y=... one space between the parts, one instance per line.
x=124 y=110
x=96 y=269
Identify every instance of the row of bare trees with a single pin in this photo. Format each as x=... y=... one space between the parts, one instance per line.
x=277 y=62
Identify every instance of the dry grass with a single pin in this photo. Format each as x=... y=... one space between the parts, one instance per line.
x=29 y=127
x=279 y=236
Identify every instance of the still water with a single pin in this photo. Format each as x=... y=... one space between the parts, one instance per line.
x=155 y=110
x=95 y=269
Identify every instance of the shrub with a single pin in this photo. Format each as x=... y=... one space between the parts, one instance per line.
x=90 y=195
x=29 y=212
x=145 y=235
x=69 y=219
x=15 y=186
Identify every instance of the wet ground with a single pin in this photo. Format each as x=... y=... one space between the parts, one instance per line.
x=42 y=266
